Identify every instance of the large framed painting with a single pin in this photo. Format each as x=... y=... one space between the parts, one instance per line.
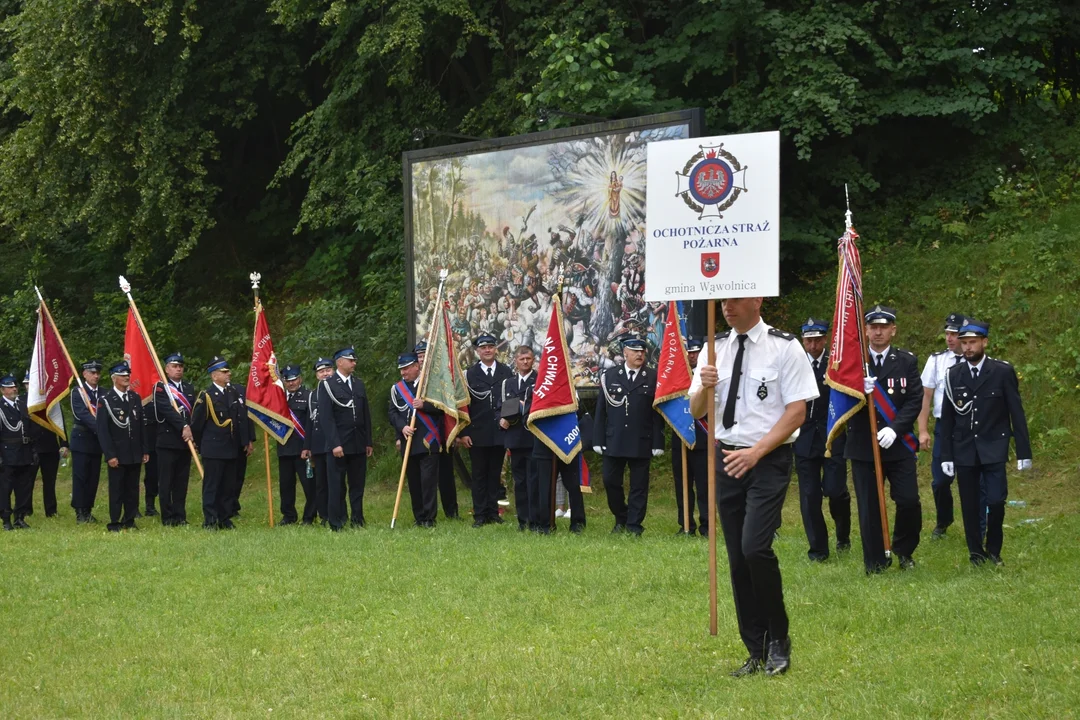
x=512 y=217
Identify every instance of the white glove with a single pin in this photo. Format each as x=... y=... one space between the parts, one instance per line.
x=948 y=469
x=658 y=453
x=886 y=437
x=1023 y=465
x=868 y=384
x=596 y=449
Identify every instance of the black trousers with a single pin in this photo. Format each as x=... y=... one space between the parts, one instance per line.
x=85 y=477
x=822 y=477
x=174 y=467
x=151 y=479
x=17 y=480
x=697 y=471
x=217 y=478
x=321 y=494
x=750 y=510
x=941 y=485
x=486 y=471
x=422 y=472
x=49 y=463
x=904 y=491
x=627 y=511
x=353 y=467
x=290 y=469
x=541 y=493
x=521 y=466
x=448 y=486
x=123 y=495
x=971 y=482
x=236 y=485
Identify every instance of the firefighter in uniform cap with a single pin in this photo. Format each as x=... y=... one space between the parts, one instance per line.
x=982 y=410
x=933 y=380
x=49 y=448
x=447 y=481
x=85 y=448
x=293 y=459
x=483 y=436
x=628 y=433
x=697 y=460
x=219 y=424
x=315 y=442
x=897 y=372
x=423 y=468
x=120 y=425
x=16 y=457
x=345 y=416
x=821 y=476
x=173 y=420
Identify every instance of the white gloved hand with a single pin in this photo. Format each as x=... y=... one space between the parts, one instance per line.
x=886 y=437
x=596 y=449
x=868 y=384
x=1023 y=465
x=948 y=469
x=658 y=453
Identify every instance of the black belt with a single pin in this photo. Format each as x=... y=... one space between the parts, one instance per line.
x=731 y=448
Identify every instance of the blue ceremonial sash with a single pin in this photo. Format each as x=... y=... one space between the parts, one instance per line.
x=885 y=406
x=432 y=435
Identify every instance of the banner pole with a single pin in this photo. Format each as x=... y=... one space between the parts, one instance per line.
x=420 y=387
x=269 y=483
x=685 y=491
x=710 y=398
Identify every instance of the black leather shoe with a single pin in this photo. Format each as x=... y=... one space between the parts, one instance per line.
x=752 y=666
x=875 y=569
x=779 y=659
x=112 y=528
x=522 y=527
x=843 y=547
x=906 y=562
x=978 y=560
x=81 y=517
x=20 y=524
x=8 y=525
x=577 y=528
x=287 y=521
x=90 y=518
x=150 y=511
x=478 y=523
x=817 y=557
x=227 y=525
x=939 y=532
x=996 y=559
x=453 y=516
x=496 y=520
x=50 y=514
x=619 y=528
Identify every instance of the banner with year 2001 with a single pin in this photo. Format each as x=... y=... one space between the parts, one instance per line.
x=713 y=217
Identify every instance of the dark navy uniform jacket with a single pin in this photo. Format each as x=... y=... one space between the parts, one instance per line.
x=315 y=441
x=120 y=427
x=400 y=413
x=84 y=437
x=16 y=444
x=170 y=423
x=219 y=423
x=626 y=424
x=513 y=390
x=812 y=434
x=485 y=404
x=902 y=367
x=979 y=416
x=298 y=403
x=345 y=415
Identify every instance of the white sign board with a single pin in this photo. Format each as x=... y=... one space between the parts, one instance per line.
x=713 y=218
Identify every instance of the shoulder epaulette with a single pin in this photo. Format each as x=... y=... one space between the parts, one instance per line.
x=723 y=335
x=939 y=352
x=1003 y=362
x=906 y=352
x=781 y=334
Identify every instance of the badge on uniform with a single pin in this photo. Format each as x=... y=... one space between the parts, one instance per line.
x=891 y=383
x=762 y=391
x=903 y=385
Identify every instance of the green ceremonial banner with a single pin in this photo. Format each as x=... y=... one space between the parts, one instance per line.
x=445 y=387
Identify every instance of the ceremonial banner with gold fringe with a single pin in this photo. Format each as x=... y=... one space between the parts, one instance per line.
x=553 y=417
x=845 y=371
x=266 y=401
x=51 y=374
x=144 y=374
x=672 y=399
x=445 y=387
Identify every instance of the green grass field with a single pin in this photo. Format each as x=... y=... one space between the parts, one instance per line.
x=493 y=623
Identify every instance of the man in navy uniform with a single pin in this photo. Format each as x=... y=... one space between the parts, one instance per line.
x=820 y=476
x=897 y=372
x=244 y=451
x=315 y=442
x=173 y=401
x=422 y=471
x=628 y=433
x=124 y=446
x=346 y=419
x=447 y=481
x=16 y=456
x=515 y=403
x=547 y=468
x=933 y=380
x=150 y=470
x=697 y=461
x=982 y=410
x=49 y=448
x=219 y=424
x=293 y=459
x=85 y=448
x=483 y=436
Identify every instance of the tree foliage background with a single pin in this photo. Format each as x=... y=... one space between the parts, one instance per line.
x=185 y=143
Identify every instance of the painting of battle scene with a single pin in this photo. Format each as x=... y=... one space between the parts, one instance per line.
x=509 y=223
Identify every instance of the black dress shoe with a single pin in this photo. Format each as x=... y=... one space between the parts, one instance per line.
x=211 y=526
x=112 y=528
x=619 y=528
x=978 y=560
x=996 y=559
x=577 y=528
x=287 y=521
x=939 y=532
x=752 y=666
x=843 y=546
x=818 y=557
x=522 y=527
x=8 y=525
x=355 y=524
x=478 y=523
x=20 y=524
x=779 y=659
x=453 y=516
x=875 y=569
x=150 y=511
x=90 y=518
x=227 y=525
x=50 y=514
x=497 y=520
x=906 y=562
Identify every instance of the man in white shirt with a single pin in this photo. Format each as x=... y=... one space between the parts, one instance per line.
x=762 y=382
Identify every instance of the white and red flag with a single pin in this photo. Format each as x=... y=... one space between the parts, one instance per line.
x=51 y=374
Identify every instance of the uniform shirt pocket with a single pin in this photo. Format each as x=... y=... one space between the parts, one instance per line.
x=763 y=377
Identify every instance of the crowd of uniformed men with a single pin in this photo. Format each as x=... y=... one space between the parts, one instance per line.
x=974 y=398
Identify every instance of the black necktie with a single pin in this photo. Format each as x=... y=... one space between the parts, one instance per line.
x=490 y=372
x=815 y=365
x=733 y=388
x=631 y=374
x=974 y=373
x=957 y=359
x=879 y=361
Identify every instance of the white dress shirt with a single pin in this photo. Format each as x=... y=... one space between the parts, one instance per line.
x=778 y=364
x=933 y=375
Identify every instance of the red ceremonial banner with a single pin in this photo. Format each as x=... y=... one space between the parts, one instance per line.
x=266 y=401
x=144 y=374
x=50 y=376
x=845 y=371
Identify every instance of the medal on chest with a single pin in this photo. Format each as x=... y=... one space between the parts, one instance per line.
x=892 y=384
x=903 y=385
